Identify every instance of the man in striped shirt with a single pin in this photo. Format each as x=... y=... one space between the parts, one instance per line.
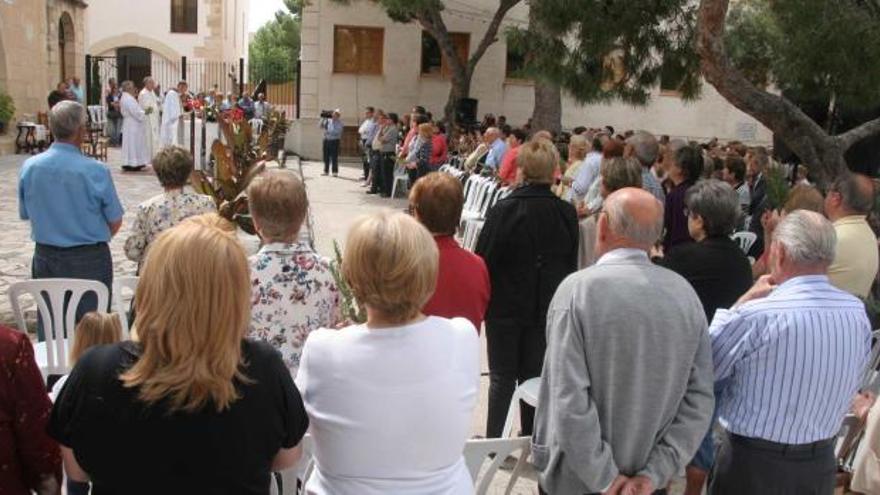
x=789 y=355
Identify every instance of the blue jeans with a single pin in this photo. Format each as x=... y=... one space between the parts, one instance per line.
x=91 y=262
x=114 y=131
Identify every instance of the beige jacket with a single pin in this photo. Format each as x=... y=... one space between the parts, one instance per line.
x=866 y=468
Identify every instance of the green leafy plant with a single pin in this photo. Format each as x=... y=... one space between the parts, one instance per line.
x=777 y=186
x=351 y=310
x=236 y=163
x=7 y=109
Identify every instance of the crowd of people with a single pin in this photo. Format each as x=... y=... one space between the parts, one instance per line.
x=149 y=119
x=609 y=272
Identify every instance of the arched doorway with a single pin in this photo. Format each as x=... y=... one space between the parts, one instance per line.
x=66 y=47
x=134 y=63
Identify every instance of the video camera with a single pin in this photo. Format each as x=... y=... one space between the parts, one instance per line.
x=326 y=114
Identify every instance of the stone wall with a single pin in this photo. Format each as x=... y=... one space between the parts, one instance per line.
x=55 y=9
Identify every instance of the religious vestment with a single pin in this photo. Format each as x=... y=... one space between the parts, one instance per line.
x=171 y=112
x=134 y=133
x=150 y=104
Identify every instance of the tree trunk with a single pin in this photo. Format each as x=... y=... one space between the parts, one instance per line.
x=461 y=88
x=547 y=114
x=822 y=153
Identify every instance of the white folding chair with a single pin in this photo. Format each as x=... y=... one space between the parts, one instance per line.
x=298 y=474
x=478 y=450
x=51 y=355
x=527 y=392
x=400 y=177
x=119 y=284
x=745 y=240
x=870 y=375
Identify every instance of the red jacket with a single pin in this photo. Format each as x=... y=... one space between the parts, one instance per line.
x=27 y=453
x=507 y=172
x=438 y=150
x=462 y=284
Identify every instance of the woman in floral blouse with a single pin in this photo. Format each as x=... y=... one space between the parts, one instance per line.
x=173 y=167
x=294 y=292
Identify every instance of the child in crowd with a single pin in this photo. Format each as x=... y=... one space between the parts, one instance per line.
x=93 y=329
x=294 y=292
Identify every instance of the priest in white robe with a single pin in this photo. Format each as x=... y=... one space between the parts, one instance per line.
x=150 y=104
x=171 y=112
x=135 y=155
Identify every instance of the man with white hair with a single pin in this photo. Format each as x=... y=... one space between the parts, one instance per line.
x=626 y=390
x=788 y=358
x=150 y=104
x=497 y=148
x=72 y=206
x=643 y=146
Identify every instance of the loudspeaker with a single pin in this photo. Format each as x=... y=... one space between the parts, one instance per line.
x=466 y=111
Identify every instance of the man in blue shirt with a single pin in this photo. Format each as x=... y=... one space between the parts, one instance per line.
x=790 y=354
x=333 y=128
x=72 y=206
x=497 y=148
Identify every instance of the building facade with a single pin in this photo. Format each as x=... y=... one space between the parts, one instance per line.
x=151 y=38
x=354 y=55
x=41 y=44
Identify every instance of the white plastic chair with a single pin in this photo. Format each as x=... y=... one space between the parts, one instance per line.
x=120 y=284
x=527 y=392
x=51 y=355
x=870 y=375
x=97 y=117
x=299 y=473
x=478 y=450
x=400 y=176
x=745 y=240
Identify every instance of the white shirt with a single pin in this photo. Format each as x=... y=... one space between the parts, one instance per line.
x=390 y=409
x=622 y=254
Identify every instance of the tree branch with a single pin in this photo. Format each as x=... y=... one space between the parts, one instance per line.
x=799 y=132
x=491 y=35
x=856 y=134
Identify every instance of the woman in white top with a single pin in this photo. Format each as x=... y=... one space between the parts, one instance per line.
x=390 y=401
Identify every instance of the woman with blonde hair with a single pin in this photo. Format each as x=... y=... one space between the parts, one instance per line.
x=202 y=409
x=578 y=146
x=391 y=401
x=93 y=329
x=529 y=243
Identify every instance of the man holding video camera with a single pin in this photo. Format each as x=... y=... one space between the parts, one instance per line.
x=332 y=125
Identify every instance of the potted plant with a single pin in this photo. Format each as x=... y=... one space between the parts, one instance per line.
x=236 y=162
x=7 y=110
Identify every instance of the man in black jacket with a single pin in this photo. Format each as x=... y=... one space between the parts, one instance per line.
x=529 y=243
x=757 y=160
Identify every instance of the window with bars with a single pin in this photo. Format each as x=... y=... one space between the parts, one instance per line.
x=358 y=50
x=434 y=62
x=184 y=16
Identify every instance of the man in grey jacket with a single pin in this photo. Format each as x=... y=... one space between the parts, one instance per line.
x=626 y=390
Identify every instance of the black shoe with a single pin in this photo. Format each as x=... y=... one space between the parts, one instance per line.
x=325 y=174
x=372 y=192
x=127 y=168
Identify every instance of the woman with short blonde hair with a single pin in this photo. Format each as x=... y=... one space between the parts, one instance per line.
x=192 y=395
x=529 y=243
x=537 y=162
x=397 y=383
x=578 y=147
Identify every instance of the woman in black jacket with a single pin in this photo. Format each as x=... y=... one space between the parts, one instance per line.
x=529 y=243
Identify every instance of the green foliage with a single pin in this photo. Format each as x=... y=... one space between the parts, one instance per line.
x=777 y=186
x=600 y=50
x=351 y=310
x=275 y=48
x=7 y=108
x=810 y=49
x=236 y=163
x=402 y=10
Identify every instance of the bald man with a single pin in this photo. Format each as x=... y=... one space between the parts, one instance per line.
x=847 y=204
x=626 y=390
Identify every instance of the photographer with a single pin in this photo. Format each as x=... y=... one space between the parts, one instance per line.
x=332 y=125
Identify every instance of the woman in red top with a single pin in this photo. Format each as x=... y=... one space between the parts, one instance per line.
x=463 y=288
x=30 y=459
x=507 y=172
x=439 y=147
